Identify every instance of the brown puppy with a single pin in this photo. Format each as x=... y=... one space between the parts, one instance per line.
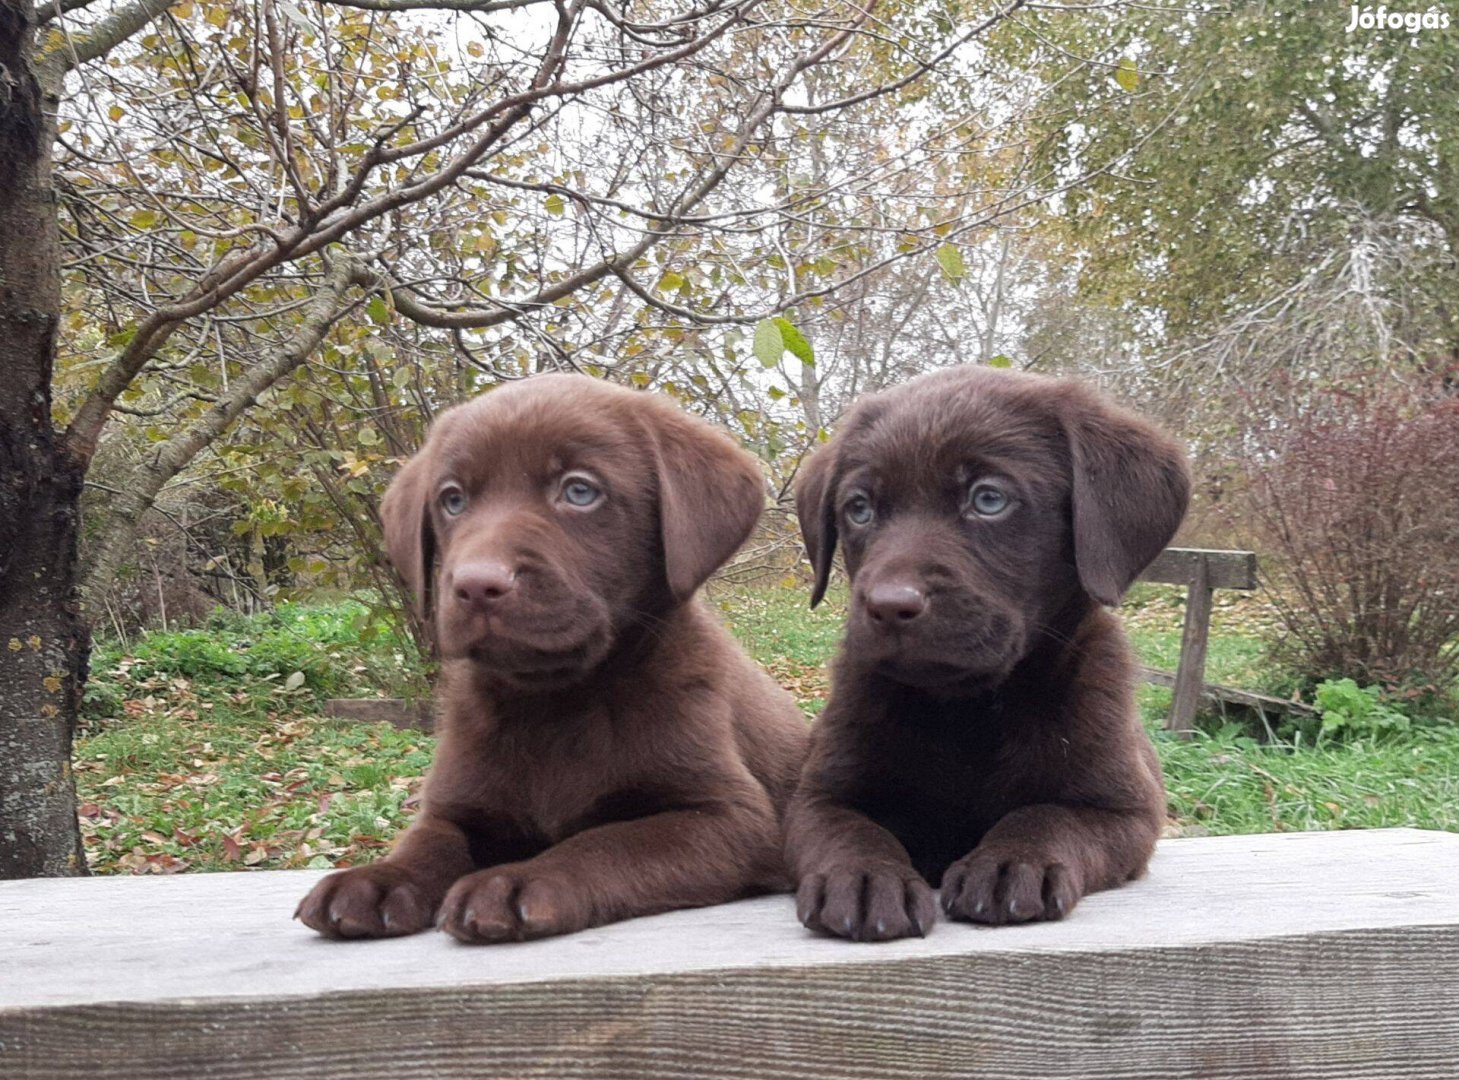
x=982 y=730
x=606 y=749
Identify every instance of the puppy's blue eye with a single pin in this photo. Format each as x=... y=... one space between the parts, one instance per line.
x=988 y=500
x=858 y=510
x=579 y=492
x=453 y=501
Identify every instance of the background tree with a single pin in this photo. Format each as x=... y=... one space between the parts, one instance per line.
x=1291 y=140
x=41 y=629
x=246 y=189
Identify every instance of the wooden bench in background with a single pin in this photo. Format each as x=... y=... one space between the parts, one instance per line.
x=1304 y=956
x=1202 y=572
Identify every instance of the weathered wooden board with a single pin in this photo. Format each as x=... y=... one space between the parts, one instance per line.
x=1217 y=697
x=1290 y=956
x=1190 y=672
x=405 y=715
x=1225 y=569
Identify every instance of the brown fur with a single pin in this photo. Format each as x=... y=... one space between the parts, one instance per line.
x=981 y=732
x=606 y=749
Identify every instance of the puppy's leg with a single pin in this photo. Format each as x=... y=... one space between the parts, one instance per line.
x=398 y=895
x=674 y=859
x=1039 y=860
x=853 y=878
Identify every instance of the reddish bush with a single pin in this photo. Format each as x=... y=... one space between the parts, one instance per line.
x=1355 y=503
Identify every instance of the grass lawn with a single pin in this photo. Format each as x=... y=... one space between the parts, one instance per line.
x=204 y=750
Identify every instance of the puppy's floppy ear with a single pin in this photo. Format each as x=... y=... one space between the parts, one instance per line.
x=817 y=514
x=409 y=541
x=1130 y=491
x=711 y=494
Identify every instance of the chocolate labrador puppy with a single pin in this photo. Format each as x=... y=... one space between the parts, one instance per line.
x=606 y=749
x=982 y=731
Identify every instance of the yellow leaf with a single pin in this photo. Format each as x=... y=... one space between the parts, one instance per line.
x=1127 y=75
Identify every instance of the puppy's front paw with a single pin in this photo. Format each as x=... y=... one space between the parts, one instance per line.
x=512 y=903
x=867 y=903
x=996 y=886
x=376 y=901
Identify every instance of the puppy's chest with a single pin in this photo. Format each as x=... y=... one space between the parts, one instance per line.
x=550 y=779
x=981 y=767
x=556 y=775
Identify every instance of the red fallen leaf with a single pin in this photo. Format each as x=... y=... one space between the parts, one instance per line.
x=231 y=850
x=183 y=838
x=89 y=810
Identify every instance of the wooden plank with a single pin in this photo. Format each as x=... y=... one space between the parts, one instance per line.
x=405 y=715
x=1282 y=957
x=1224 y=569
x=1217 y=697
x=1190 y=675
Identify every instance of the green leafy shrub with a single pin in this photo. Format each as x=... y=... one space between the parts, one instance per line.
x=1352 y=711
x=303 y=654
x=102 y=699
x=193 y=654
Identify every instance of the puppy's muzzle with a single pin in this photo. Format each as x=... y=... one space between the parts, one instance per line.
x=894 y=603
x=480 y=586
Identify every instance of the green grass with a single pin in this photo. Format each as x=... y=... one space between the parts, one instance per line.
x=204 y=748
x=200 y=752
x=1228 y=783
x=794 y=643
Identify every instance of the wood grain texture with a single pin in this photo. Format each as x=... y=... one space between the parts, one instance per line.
x=1296 y=956
x=1190 y=673
x=1225 y=569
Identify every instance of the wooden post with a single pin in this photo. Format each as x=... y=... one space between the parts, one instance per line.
x=1201 y=572
x=1190 y=676
x=1289 y=956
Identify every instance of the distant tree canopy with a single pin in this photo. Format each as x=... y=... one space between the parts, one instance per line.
x=1285 y=132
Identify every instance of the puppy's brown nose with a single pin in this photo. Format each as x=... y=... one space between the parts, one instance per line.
x=893 y=602
x=479 y=585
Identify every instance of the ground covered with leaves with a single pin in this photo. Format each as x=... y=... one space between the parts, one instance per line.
x=206 y=749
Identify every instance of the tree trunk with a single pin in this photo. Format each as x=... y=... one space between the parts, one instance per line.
x=43 y=640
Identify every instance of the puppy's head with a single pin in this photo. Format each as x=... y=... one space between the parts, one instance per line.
x=975 y=506
x=541 y=522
